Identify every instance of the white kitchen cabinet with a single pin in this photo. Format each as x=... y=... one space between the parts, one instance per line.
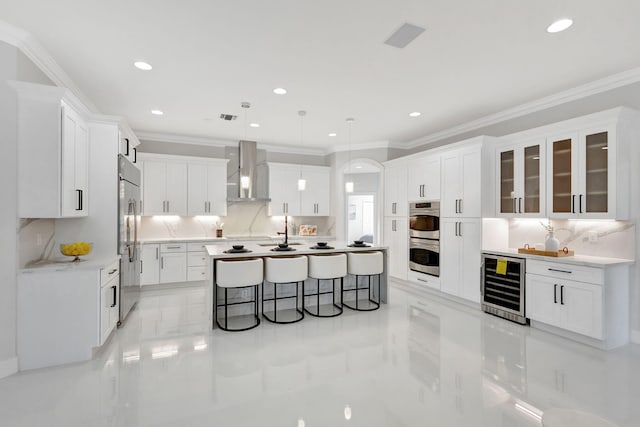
x=283 y=189
x=462 y=183
x=582 y=167
x=164 y=188
x=396 y=237
x=520 y=178
x=53 y=153
x=423 y=177
x=567 y=304
x=207 y=188
x=173 y=265
x=128 y=146
x=315 y=198
x=67 y=310
x=150 y=264
x=589 y=304
x=395 y=189
x=460 y=258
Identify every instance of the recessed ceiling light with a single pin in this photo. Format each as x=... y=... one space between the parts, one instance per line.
x=358 y=167
x=559 y=25
x=141 y=65
x=333 y=134
x=157 y=112
x=415 y=114
x=254 y=125
x=279 y=91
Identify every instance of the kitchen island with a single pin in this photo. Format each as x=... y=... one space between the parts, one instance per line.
x=257 y=250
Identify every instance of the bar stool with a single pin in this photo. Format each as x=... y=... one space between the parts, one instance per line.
x=238 y=274
x=327 y=267
x=364 y=264
x=280 y=271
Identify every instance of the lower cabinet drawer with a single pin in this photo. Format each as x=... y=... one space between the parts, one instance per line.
x=197 y=273
x=562 y=271
x=197 y=259
x=424 y=279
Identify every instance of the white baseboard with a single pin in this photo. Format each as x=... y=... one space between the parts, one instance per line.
x=8 y=367
x=635 y=336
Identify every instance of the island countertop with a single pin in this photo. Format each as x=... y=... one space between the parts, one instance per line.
x=304 y=248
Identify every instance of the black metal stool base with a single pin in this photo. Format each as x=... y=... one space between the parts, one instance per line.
x=376 y=304
x=317 y=295
x=226 y=305
x=275 y=300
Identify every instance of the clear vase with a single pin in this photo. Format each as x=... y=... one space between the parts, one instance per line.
x=551 y=244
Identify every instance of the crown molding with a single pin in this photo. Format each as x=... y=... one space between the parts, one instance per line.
x=182 y=139
x=291 y=149
x=33 y=50
x=592 y=88
x=357 y=147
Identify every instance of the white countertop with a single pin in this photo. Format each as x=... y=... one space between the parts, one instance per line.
x=584 y=260
x=231 y=238
x=65 y=264
x=217 y=251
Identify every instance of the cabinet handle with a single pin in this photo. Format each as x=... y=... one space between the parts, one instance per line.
x=174 y=247
x=520 y=204
x=393 y=207
x=460 y=229
x=115 y=292
x=161 y=263
x=580 y=205
x=112 y=271
x=555 y=293
x=140 y=266
x=514 y=205
x=126 y=150
x=456 y=205
x=164 y=204
x=168 y=208
x=562 y=294
x=460 y=206
x=560 y=271
x=141 y=207
x=393 y=225
x=135 y=155
x=157 y=252
x=422 y=280
x=573 y=203
x=78 y=200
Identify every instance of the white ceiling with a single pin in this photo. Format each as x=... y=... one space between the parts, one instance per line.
x=474 y=59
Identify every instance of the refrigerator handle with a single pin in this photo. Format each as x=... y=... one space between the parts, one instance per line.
x=135 y=228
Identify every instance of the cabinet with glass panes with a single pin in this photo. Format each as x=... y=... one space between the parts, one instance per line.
x=521 y=179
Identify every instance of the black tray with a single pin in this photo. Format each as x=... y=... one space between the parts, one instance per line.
x=364 y=245
x=237 y=251
x=321 y=247
x=279 y=249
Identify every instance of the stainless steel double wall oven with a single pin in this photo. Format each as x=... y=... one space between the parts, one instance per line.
x=424 y=237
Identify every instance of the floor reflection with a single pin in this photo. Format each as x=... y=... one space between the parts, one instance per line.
x=418 y=361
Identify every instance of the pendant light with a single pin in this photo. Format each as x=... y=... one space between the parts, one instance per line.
x=302 y=183
x=245 y=181
x=348 y=186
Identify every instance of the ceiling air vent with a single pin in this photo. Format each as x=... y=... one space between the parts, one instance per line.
x=404 y=35
x=228 y=117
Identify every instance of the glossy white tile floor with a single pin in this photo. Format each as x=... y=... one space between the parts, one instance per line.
x=415 y=362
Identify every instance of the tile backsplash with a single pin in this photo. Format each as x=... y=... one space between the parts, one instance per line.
x=243 y=219
x=615 y=239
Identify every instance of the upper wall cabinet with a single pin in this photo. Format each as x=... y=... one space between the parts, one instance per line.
x=521 y=179
x=129 y=146
x=462 y=183
x=287 y=199
x=588 y=166
x=53 y=153
x=207 y=188
x=164 y=188
x=395 y=189
x=423 y=178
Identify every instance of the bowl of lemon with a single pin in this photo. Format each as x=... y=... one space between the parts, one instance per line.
x=76 y=249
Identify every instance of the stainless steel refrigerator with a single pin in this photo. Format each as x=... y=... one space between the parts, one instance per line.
x=128 y=246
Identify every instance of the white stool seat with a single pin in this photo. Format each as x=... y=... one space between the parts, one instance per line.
x=327 y=266
x=239 y=273
x=286 y=269
x=365 y=263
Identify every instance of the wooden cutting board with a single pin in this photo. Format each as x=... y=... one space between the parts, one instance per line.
x=558 y=254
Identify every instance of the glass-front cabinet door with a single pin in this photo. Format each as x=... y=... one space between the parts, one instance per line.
x=581 y=173
x=521 y=179
x=595 y=196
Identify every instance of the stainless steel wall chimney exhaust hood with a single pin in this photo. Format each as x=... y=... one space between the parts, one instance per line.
x=246 y=177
